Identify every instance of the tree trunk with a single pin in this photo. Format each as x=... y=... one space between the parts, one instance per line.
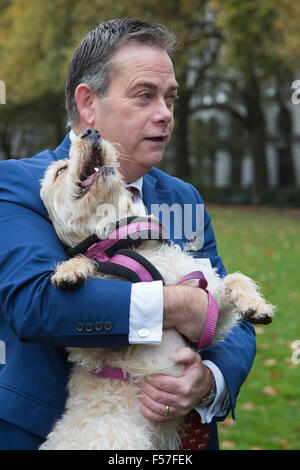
x=236 y=168
x=183 y=167
x=258 y=139
x=256 y=126
x=6 y=134
x=286 y=171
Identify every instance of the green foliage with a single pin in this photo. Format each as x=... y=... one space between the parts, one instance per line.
x=38 y=37
x=256 y=39
x=223 y=42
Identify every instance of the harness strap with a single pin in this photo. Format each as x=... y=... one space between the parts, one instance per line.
x=130 y=265
x=124 y=233
x=82 y=246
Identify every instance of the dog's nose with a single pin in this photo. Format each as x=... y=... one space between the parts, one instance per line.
x=92 y=134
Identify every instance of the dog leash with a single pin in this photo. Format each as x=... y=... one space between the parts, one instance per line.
x=210 y=323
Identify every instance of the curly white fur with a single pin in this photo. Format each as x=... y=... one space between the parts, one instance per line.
x=104 y=413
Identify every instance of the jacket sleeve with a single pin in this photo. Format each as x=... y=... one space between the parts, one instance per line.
x=29 y=250
x=235 y=355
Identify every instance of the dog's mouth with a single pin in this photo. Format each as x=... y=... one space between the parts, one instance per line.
x=94 y=164
x=90 y=168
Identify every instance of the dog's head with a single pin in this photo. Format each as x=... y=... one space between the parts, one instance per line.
x=84 y=193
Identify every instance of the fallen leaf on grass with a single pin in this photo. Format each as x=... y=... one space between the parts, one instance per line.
x=259 y=330
x=227 y=445
x=228 y=422
x=271 y=391
x=264 y=346
x=284 y=446
x=292 y=294
x=268 y=253
x=282 y=443
x=274 y=374
x=270 y=362
x=248 y=406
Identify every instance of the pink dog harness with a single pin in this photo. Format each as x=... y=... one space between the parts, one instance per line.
x=114 y=255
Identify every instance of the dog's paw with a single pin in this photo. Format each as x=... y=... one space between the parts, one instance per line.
x=67 y=281
x=73 y=273
x=262 y=314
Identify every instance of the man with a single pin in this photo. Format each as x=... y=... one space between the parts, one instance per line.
x=121 y=82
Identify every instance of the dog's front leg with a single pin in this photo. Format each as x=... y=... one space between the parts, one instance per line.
x=245 y=294
x=74 y=272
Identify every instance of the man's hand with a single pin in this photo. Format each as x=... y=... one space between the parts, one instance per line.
x=182 y=393
x=185 y=309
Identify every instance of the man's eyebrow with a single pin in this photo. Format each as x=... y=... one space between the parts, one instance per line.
x=174 y=87
x=153 y=86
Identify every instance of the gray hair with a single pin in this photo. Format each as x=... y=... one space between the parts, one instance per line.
x=91 y=60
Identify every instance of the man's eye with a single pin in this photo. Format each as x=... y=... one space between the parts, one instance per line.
x=60 y=171
x=145 y=96
x=172 y=98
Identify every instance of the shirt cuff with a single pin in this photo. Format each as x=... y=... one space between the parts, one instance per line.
x=146 y=313
x=221 y=403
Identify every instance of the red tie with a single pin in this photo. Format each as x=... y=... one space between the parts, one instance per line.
x=133 y=191
x=195 y=435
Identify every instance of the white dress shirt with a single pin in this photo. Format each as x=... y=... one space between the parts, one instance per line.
x=146 y=319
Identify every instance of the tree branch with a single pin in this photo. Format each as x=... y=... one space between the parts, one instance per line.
x=221 y=107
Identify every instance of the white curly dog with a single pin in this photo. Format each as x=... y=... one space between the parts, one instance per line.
x=102 y=413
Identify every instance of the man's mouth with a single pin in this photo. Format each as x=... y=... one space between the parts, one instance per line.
x=157 y=138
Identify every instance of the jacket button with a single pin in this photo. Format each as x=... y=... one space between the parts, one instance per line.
x=79 y=326
x=89 y=327
x=98 y=326
x=107 y=326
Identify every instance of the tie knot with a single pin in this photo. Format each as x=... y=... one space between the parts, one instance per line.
x=133 y=192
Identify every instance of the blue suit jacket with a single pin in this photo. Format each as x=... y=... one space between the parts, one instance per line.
x=37 y=320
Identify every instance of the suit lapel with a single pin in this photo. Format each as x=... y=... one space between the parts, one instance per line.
x=153 y=195
x=163 y=201
x=62 y=151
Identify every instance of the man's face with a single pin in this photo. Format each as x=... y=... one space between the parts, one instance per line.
x=137 y=111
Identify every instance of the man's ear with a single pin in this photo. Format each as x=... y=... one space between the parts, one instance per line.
x=84 y=98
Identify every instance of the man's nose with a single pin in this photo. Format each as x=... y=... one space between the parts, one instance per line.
x=163 y=112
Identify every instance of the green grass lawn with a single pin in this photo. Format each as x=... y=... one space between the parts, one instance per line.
x=266 y=247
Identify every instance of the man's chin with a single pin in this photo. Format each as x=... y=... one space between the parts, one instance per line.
x=152 y=159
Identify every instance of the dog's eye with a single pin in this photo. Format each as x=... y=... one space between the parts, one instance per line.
x=60 y=171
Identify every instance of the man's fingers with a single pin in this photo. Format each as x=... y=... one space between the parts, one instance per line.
x=152 y=388
x=156 y=411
